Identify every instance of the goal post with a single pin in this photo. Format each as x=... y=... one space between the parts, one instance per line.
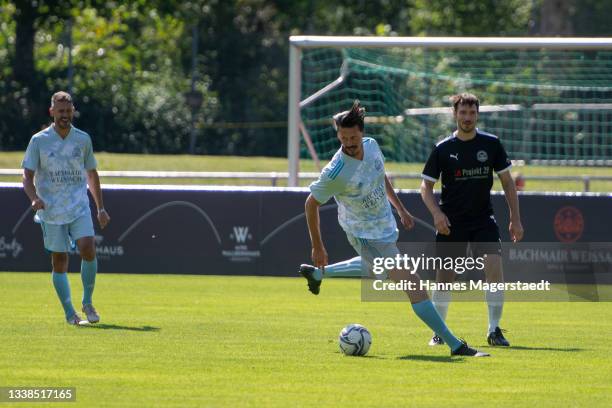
x=546 y=80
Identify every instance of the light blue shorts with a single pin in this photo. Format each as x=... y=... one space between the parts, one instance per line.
x=63 y=237
x=369 y=249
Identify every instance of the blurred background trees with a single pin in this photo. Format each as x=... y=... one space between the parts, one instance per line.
x=130 y=64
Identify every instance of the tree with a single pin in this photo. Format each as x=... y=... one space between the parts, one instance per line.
x=556 y=18
x=470 y=18
x=128 y=83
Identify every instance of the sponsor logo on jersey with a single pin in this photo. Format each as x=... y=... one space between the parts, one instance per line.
x=482 y=156
x=378 y=164
x=455 y=156
x=66 y=176
x=374 y=198
x=474 y=173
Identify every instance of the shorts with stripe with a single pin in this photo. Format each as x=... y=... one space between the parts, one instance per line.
x=369 y=249
x=63 y=237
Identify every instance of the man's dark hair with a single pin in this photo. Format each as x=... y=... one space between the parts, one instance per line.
x=465 y=99
x=350 y=118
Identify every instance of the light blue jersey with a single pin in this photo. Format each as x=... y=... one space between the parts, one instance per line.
x=359 y=189
x=60 y=167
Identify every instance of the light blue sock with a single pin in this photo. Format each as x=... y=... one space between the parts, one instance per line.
x=428 y=314
x=344 y=269
x=62 y=288
x=88 y=277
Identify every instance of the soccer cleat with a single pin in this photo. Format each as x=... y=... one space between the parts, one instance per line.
x=90 y=312
x=314 y=285
x=75 y=320
x=496 y=338
x=436 y=341
x=465 y=350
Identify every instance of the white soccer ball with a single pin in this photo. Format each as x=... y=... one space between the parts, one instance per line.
x=355 y=340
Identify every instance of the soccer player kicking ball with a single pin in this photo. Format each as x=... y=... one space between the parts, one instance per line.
x=356 y=178
x=466 y=159
x=58 y=166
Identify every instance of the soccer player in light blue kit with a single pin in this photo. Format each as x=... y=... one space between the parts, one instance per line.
x=356 y=178
x=58 y=167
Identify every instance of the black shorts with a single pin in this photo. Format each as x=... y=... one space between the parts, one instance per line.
x=482 y=239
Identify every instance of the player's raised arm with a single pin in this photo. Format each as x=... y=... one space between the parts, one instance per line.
x=515 y=227
x=405 y=216
x=319 y=254
x=440 y=219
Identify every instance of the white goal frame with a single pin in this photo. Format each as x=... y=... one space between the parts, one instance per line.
x=298 y=43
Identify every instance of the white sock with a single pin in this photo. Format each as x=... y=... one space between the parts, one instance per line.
x=441 y=299
x=495 y=303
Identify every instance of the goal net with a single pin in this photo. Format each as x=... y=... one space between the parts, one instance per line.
x=549 y=105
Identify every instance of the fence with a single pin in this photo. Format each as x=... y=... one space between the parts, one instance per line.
x=275 y=177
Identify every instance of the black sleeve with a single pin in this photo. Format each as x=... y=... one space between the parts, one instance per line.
x=501 y=162
x=432 y=170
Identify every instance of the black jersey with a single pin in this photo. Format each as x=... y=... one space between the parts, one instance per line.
x=467 y=175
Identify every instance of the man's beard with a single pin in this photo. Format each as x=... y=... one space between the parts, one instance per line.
x=63 y=123
x=352 y=150
x=467 y=128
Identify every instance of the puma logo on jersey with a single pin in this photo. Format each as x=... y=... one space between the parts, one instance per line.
x=455 y=156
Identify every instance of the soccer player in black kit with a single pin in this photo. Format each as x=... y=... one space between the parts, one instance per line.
x=466 y=160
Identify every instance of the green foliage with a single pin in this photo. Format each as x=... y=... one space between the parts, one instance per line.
x=592 y=18
x=470 y=18
x=7 y=38
x=128 y=87
x=132 y=61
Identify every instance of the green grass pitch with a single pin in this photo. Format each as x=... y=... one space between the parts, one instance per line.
x=179 y=341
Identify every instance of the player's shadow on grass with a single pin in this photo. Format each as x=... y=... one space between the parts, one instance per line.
x=433 y=359
x=102 y=326
x=566 y=349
